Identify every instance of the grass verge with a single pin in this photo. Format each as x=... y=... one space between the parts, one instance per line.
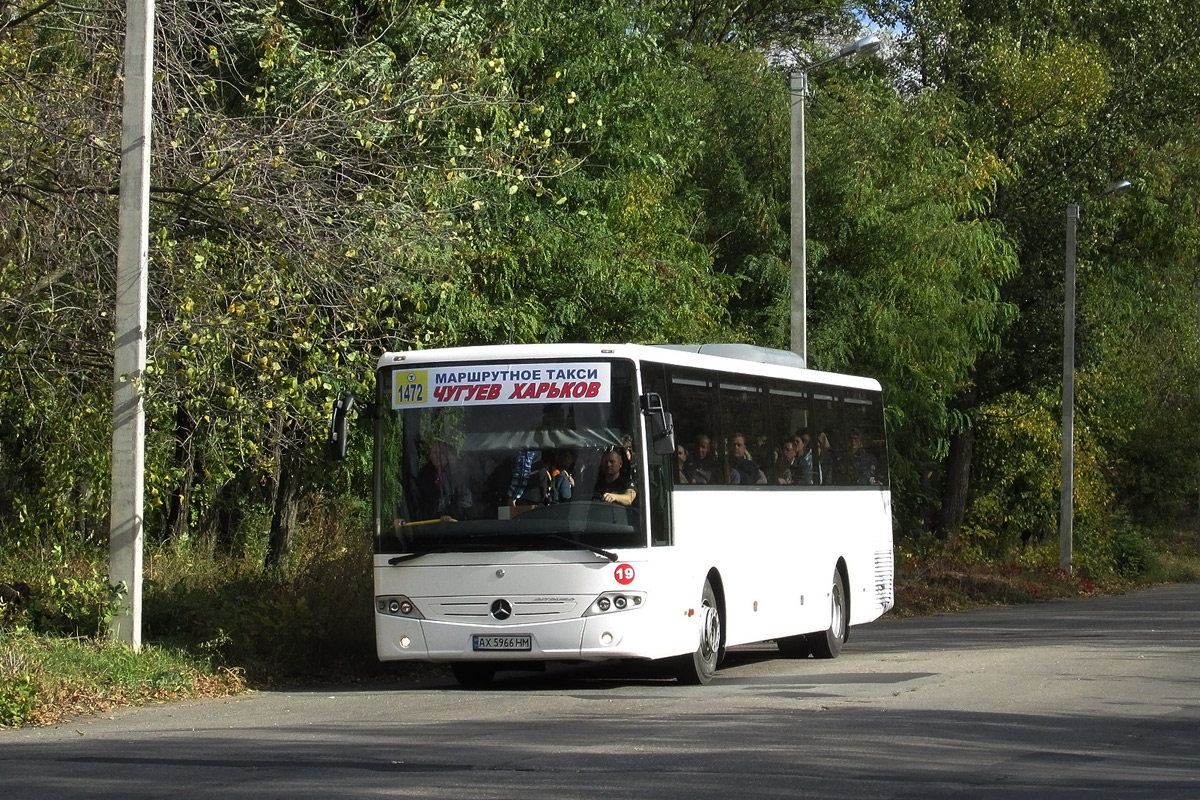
x=933 y=576
x=45 y=679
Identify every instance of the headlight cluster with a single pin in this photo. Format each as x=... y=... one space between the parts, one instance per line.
x=616 y=601
x=397 y=606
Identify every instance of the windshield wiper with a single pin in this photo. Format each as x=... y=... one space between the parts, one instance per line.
x=600 y=551
x=400 y=559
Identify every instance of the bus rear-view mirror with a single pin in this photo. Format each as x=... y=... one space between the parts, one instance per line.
x=338 y=425
x=662 y=430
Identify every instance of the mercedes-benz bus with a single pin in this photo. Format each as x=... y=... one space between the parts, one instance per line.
x=582 y=502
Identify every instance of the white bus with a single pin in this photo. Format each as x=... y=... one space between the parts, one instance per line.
x=581 y=502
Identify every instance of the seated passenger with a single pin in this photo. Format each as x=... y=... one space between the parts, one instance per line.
x=614 y=484
x=823 y=461
x=706 y=467
x=531 y=478
x=787 y=467
x=803 y=473
x=862 y=463
x=744 y=470
x=558 y=466
x=684 y=468
x=441 y=489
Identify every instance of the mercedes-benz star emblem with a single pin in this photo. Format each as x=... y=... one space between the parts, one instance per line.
x=501 y=609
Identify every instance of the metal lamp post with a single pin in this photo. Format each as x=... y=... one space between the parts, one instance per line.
x=799 y=91
x=1066 y=517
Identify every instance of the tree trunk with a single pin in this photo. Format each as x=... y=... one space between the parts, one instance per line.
x=958 y=480
x=228 y=509
x=283 y=519
x=179 y=509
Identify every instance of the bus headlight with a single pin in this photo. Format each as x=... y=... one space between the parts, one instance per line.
x=615 y=601
x=397 y=606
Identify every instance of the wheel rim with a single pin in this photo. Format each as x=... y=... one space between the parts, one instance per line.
x=838 y=625
x=710 y=634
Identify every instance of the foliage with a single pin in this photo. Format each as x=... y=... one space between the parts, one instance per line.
x=1132 y=553
x=17 y=698
x=740 y=182
x=61 y=592
x=1071 y=98
x=602 y=251
x=1015 y=499
x=1142 y=353
x=329 y=183
x=764 y=25
x=908 y=286
x=333 y=181
x=933 y=575
x=314 y=617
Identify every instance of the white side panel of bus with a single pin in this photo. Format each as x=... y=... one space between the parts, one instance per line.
x=776 y=552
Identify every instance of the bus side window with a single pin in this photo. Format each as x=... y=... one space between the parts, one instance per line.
x=866 y=441
x=789 y=422
x=744 y=428
x=827 y=436
x=693 y=403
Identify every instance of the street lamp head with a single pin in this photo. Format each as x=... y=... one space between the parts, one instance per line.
x=1120 y=187
x=864 y=46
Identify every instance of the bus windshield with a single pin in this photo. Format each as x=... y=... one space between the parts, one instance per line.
x=508 y=456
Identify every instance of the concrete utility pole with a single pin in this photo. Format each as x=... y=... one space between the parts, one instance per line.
x=1066 y=496
x=799 y=229
x=129 y=420
x=799 y=232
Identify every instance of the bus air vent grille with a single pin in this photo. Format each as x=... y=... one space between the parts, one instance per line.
x=884 y=579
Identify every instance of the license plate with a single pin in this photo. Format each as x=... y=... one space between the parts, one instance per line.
x=520 y=641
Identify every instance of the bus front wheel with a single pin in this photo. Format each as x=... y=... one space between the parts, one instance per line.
x=699 y=667
x=828 y=643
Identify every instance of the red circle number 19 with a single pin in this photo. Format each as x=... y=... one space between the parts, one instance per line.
x=624 y=574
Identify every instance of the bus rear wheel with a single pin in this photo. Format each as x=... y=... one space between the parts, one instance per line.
x=699 y=667
x=828 y=643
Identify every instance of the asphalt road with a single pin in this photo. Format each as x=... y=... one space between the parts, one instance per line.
x=1079 y=699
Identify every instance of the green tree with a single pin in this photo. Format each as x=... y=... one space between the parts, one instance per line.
x=1071 y=97
x=328 y=183
x=905 y=282
x=604 y=249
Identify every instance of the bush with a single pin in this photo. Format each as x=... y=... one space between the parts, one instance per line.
x=1015 y=498
x=315 y=616
x=1131 y=553
x=60 y=596
x=17 y=697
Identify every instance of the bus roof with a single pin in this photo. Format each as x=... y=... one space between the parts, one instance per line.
x=735 y=357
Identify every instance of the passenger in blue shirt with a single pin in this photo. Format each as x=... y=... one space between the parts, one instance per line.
x=862 y=463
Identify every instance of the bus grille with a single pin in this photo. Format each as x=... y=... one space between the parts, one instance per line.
x=884 y=579
x=525 y=610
